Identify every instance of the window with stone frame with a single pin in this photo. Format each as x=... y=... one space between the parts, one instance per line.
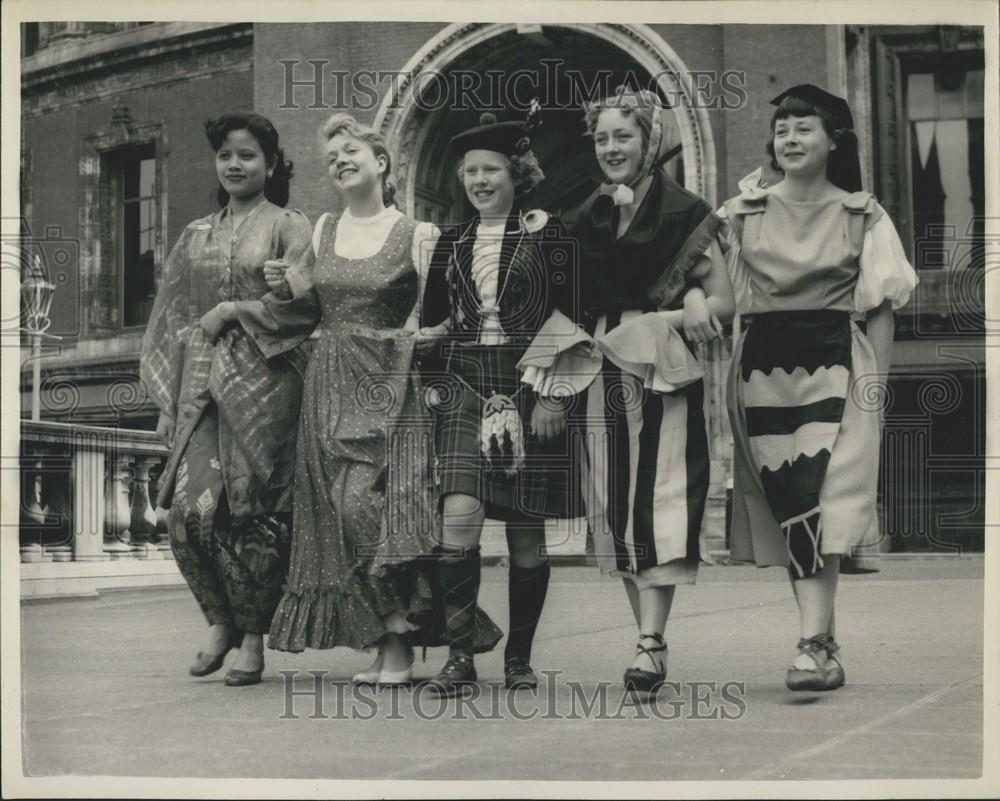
x=928 y=104
x=919 y=95
x=122 y=218
x=944 y=107
x=132 y=228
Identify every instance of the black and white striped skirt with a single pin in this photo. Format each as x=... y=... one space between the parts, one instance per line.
x=647 y=474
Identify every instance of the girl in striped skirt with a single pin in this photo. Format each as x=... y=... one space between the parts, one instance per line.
x=643 y=243
x=806 y=254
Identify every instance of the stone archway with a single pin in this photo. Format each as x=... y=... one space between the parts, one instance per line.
x=402 y=121
x=418 y=138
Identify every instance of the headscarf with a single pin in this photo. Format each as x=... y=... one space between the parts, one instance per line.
x=662 y=143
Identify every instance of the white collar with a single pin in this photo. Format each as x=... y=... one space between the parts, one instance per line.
x=375 y=219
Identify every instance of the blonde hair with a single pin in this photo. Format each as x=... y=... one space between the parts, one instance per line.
x=341 y=122
x=641 y=104
x=525 y=171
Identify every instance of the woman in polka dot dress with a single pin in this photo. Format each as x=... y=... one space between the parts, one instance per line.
x=365 y=504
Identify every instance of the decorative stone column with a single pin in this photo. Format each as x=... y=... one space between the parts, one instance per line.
x=142 y=518
x=118 y=511
x=88 y=501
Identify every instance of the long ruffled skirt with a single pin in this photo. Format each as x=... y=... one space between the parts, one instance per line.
x=365 y=507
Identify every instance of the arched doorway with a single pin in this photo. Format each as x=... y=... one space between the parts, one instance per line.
x=563 y=57
x=418 y=129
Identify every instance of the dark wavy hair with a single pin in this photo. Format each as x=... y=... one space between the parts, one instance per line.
x=276 y=187
x=843 y=167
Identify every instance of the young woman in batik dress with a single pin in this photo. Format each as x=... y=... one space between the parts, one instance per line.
x=223 y=359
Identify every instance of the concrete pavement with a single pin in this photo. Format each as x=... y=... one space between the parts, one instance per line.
x=106 y=691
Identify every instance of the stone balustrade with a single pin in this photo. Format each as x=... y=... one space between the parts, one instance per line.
x=86 y=494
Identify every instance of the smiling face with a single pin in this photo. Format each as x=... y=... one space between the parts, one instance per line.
x=488 y=182
x=353 y=165
x=241 y=166
x=801 y=145
x=618 y=145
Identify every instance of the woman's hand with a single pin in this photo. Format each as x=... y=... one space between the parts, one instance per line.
x=165 y=429
x=214 y=321
x=274 y=275
x=432 y=397
x=699 y=323
x=427 y=338
x=548 y=419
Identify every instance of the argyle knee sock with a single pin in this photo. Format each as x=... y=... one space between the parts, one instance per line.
x=459 y=572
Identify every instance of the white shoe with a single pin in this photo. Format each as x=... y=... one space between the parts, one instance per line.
x=369 y=675
x=395 y=678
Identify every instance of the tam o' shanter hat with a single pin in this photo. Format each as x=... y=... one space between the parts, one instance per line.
x=507 y=138
x=835 y=106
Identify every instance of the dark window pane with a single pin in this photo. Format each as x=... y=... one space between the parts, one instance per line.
x=31 y=36
x=136 y=176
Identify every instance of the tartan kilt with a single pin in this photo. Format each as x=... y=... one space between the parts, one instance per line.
x=546 y=486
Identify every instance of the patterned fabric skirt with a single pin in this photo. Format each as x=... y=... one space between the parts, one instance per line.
x=806 y=433
x=544 y=486
x=235 y=569
x=647 y=474
x=366 y=523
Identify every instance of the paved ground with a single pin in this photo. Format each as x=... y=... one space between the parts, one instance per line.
x=106 y=691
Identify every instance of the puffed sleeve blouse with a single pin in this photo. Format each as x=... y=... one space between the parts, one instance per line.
x=840 y=254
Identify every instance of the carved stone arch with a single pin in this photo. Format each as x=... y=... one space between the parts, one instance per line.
x=400 y=117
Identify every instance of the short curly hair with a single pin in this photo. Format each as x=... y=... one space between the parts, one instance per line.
x=525 y=172
x=341 y=122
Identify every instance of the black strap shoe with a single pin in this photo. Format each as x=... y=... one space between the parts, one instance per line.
x=819 y=679
x=458 y=671
x=648 y=681
x=518 y=675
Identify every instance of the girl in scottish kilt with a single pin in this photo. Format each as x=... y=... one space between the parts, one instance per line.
x=495 y=280
x=805 y=255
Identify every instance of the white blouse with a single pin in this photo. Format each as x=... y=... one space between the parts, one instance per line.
x=884 y=273
x=486 y=274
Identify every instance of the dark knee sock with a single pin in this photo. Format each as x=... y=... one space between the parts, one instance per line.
x=527 y=587
x=459 y=572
